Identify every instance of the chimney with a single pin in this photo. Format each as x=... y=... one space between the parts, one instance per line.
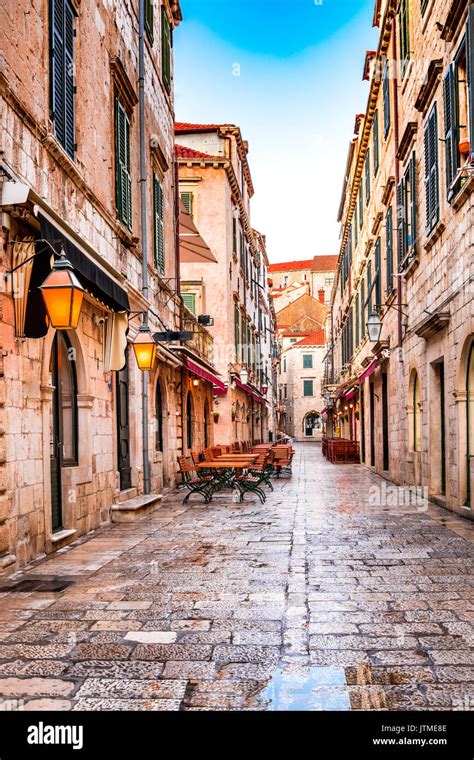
x=321 y=294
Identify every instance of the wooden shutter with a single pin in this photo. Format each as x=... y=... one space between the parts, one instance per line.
x=386 y=96
x=357 y=320
x=376 y=142
x=404 y=36
x=431 y=169
x=122 y=165
x=159 y=229
x=149 y=18
x=356 y=228
x=361 y=204
x=470 y=73
x=450 y=126
x=401 y=224
x=413 y=206
x=189 y=300
x=243 y=337
x=234 y=235
x=389 y=250
x=370 y=293
x=362 y=308
x=367 y=176
x=187 y=200
x=236 y=329
x=165 y=48
x=378 y=276
x=62 y=73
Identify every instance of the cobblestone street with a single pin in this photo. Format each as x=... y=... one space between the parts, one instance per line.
x=315 y=601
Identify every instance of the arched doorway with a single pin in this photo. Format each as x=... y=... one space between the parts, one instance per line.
x=158 y=418
x=189 y=421
x=311 y=423
x=469 y=421
x=63 y=427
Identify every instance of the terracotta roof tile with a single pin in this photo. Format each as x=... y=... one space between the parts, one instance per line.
x=184 y=126
x=313 y=339
x=291 y=266
x=182 y=152
x=324 y=263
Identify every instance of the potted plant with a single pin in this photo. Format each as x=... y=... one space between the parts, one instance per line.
x=247 y=417
x=464 y=147
x=357 y=414
x=216 y=417
x=234 y=415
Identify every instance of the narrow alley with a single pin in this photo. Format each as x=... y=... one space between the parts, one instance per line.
x=321 y=599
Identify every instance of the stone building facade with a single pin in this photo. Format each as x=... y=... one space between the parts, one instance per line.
x=215 y=186
x=292 y=279
x=299 y=383
x=407 y=216
x=79 y=421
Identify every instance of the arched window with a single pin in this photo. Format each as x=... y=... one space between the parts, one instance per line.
x=189 y=421
x=416 y=413
x=158 y=418
x=63 y=369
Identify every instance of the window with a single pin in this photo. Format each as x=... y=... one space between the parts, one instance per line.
x=378 y=275
x=367 y=176
x=284 y=364
x=234 y=236
x=386 y=97
x=166 y=43
x=307 y=361
x=370 y=291
x=187 y=199
x=406 y=216
x=357 y=320
x=158 y=226
x=362 y=309
x=307 y=387
x=189 y=300
x=123 y=179
x=456 y=119
x=375 y=140
x=431 y=170
x=361 y=205
x=423 y=5
x=404 y=36
x=389 y=251
x=236 y=328
x=158 y=419
x=149 y=19
x=63 y=370
x=356 y=228
x=243 y=346
x=328 y=281
x=62 y=89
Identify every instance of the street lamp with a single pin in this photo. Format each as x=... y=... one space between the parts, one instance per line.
x=374 y=328
x=145 y=349
x=62 y=294
x=264 y=388
x=244 y=376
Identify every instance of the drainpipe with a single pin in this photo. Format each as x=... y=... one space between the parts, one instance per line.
x=397 y=172
x=143 y=225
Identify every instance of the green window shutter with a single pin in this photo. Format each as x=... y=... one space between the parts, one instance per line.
x=431 y=169
x=369 y=290
x=411 y=241
x=243 y=338
x=362 y=308
x=307 y=387
x=386 y=96
x=402 y=244
x=389 y=250
x=424 y=5
x=189 y=300
x=166 y=48
x=357 y=320
x=470 y=74
x=361 y=205
x=149 y=18
x=307 y=361
x=377 y=275
x=236 y=329
x=234 y=235
x=62 y=15
x=367 y=176
x=451 y=128
x=404 y=36
x=159 y=229
x=123 y=180
x=376 y=143
x=187 y=201
x=356 y=228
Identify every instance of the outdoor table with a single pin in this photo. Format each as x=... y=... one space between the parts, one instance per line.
x=220 y=470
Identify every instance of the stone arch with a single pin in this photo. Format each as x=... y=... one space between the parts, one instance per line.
x=312 y=418
x=464 y=397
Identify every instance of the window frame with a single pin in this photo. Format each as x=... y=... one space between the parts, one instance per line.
x=124 y=201
x=305 y=386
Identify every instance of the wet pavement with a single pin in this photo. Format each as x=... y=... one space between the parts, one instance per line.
x=325 y=598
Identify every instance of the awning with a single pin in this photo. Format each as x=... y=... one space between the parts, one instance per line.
x=368 y=372
x=351 y=393
x=218 y=386
x=324 y=411
x=249 y=390
x=95 y=280
x=192 y=248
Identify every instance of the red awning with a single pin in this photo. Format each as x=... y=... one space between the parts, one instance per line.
x=325 y=411
x=249 y=390
x=350 y=394
x=218 y=386
x=369 y=371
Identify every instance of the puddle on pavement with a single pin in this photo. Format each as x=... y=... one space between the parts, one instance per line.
x=306 y=688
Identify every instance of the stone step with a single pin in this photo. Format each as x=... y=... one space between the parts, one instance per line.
x=133 y=509
x=129 y=493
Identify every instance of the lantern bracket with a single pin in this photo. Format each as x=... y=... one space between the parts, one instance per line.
x=30 y=258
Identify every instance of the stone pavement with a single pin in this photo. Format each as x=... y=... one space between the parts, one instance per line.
x=318 y=600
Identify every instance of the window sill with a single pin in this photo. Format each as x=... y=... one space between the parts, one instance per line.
x=434 y=235
x=463 y=194
x=408 y=271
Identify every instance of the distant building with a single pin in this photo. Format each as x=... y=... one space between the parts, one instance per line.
x=315 y=276
x=299 y=385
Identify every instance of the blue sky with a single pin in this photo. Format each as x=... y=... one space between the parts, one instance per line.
x=289 y=73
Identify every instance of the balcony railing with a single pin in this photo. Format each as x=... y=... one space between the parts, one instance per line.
x=202 y=342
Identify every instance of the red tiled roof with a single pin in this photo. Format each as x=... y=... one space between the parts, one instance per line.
x=313 y=339
x=295 y=334
x=324 y=263
x=182 y=152
x=291 y=266
x=184 y=126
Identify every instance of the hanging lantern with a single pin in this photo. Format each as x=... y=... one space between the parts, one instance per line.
x=62 y=294
x=195 y=382
x=145 y=349
x=374 y=328
x=264 y=389
x=244 y=376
